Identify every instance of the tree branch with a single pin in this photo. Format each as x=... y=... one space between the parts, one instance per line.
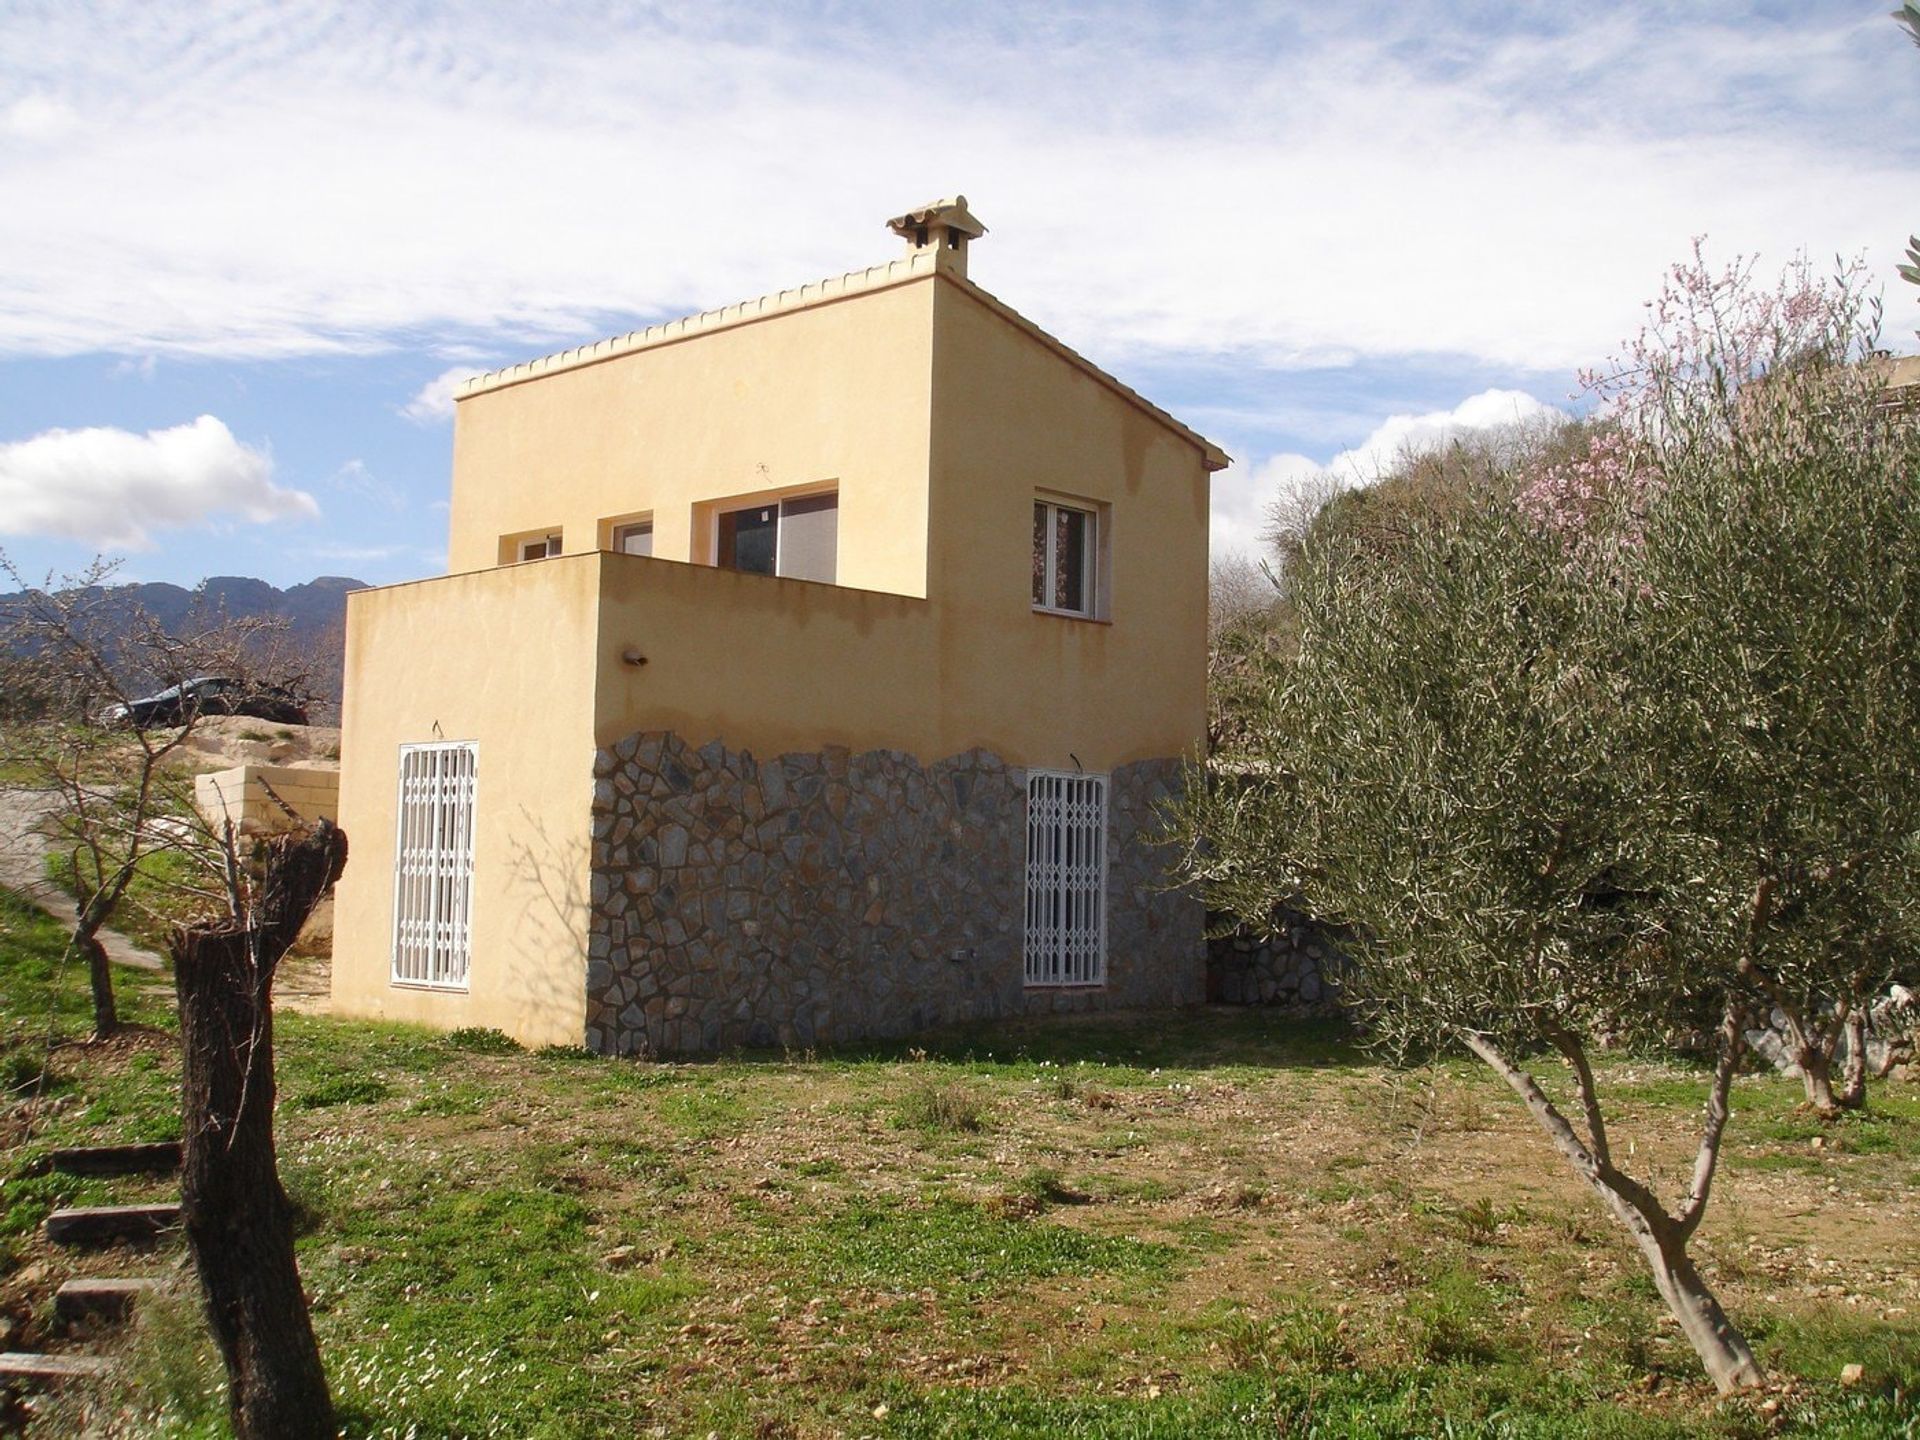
x=1576 y=1055
x=1601 y=1175
x=1733 y=1044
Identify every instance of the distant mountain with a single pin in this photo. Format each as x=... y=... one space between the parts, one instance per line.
x=315 y=614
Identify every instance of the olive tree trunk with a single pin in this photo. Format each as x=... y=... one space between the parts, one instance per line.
x=1660 y=1236
x=239 y=1224
x=1813 y=1049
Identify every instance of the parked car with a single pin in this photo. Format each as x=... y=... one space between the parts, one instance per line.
x=208 y=695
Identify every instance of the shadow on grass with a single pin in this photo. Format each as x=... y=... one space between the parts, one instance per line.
x=1212 y=1037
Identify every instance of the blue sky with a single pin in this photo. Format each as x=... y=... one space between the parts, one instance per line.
x=1313 y=232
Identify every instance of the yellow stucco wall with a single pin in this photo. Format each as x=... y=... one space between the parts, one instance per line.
x=835 y=394
x=940 y=421
x=504 y=658
x=1011 y=419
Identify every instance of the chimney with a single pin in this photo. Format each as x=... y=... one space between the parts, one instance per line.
x=944 y=227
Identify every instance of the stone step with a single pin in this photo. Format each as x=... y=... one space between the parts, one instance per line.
x=24 y=1368
x=161 y=1158
x=106 y=1224
x=88 y=1299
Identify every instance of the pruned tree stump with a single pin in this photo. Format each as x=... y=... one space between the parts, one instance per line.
x=89 y=1299
x=110 y=1224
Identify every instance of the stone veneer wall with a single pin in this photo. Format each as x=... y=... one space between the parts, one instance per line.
x=825 y=897
x=1295 y=967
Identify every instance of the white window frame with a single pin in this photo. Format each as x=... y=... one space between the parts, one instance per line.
x=432 y=881
x=548 y=545
x=1066 y=900
x=1094 y=576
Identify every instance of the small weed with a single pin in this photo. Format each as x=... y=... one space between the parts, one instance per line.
x=23 y=1068
x=950 y=1108
x=1302 y=1337
x=1479 y=1221
x=341 y=1090
x=1038 y=1189
x=251 y=734
x=567 y=1054
x=1312 y=1338
x=707 y=1113
x=1451 y=1320
x=480 y=1041
x=1244 y=1339
x=459 y=1098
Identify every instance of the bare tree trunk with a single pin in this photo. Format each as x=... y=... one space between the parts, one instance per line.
x=1853 y=1090
x=1816 y=1077
x=238 y=1222
x=106 y=1016
x=1722 y=1349
x=1812 y=1044
x=1661 y=1238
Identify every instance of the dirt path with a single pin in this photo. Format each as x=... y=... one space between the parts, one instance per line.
x=23 y=853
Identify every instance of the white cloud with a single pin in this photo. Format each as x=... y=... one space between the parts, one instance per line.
x=1242 y=498
x=1401 y=435
x=1157 y=181
x=37 y=117
x=1242 y=507
x=433 y=401
x=354 y=478
x=111 y=489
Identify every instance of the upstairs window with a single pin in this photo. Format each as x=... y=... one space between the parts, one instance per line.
x=1066 y=550
x=539 y=547
x=797 y=538
x=633 y=538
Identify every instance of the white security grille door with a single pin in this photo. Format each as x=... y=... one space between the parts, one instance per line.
x=433 y=869
x=1066 y=878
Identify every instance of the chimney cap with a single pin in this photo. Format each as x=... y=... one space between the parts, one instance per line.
x=953 y=214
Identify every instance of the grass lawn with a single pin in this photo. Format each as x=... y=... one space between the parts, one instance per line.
x=1214 y=1224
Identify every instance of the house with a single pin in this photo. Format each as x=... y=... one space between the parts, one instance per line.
x=805 y=670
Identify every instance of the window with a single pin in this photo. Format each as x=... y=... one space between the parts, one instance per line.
x=797 y=538
x=1066 y=878
x=634 y=538
x=539 y=547
x=1066 y=546
x=433 y=866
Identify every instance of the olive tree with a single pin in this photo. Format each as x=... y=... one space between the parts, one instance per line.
x=1620 y=740
x=1440 y=776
